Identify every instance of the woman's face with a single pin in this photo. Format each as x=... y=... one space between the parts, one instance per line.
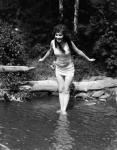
x=59 y=37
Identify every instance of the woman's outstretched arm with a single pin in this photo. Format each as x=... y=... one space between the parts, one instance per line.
x=78 y=51
x=46 y=55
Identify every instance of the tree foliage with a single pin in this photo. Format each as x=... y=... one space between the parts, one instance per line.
x=12 y=48
x=12 y=52
x=96 y=26
x=103 y=29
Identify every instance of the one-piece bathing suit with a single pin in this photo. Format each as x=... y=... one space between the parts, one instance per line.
x=64 y=63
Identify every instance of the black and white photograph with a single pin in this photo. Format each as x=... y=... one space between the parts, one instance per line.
x=58 y=74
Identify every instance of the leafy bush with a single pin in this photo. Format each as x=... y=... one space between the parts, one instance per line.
x=102 y=32
x=106 y=50
x=12 y=52
x=12 y=49
x=38 y=50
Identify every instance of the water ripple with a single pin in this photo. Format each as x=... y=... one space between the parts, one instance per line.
x=61 y=136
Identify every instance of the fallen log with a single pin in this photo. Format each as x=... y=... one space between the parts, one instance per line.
x=43 y=85
x=15 y=68
x=95 y=85
x=51 y=85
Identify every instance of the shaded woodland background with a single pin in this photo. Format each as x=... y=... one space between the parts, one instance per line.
x=26 y=30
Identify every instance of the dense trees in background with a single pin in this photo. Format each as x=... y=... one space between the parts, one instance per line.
x=102 y=32
x=12 y=46
x=93 y=24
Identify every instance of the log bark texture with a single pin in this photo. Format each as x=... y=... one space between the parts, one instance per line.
x=15 y=68
x=51 y=85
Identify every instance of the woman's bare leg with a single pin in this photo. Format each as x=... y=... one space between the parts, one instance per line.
x=67 y=83
x=60 y=80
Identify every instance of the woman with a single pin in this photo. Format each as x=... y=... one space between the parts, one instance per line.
x=62 y=47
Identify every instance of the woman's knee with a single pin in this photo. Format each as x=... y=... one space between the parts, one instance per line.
x=61 y=89
x=68 y=82
x=60 y=81
x=66 y=91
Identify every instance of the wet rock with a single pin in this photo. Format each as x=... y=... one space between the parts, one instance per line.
x=6 y=97
x=105 y=96
x=102 y=99
x=3 y=147
x=116 y=93
x=97 y=94
x=82 y=95
x=111 y=100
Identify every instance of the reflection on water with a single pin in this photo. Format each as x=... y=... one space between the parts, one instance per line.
x=62 y=138
x=3 y=147
x=35 y=126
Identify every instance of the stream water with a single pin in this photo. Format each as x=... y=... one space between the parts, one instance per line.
x=35 y=125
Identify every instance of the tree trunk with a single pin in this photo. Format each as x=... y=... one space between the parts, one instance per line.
x=76 y=7
x=15 y=68
x=51 y=85
x=61 y=9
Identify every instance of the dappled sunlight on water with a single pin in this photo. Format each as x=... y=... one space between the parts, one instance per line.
x=35 y=125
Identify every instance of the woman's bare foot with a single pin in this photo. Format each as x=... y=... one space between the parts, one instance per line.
x=63 y=112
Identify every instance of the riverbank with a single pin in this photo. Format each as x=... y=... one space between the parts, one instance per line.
x=83 y=69
x=84 y=72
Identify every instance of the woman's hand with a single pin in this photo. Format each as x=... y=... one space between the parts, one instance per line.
x=53 y=65
x=92 y=59
x=40 y=60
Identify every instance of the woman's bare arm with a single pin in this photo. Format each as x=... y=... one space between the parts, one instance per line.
x=47 y=54
x=78 y=51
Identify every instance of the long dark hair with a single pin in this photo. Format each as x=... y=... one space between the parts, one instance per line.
x=66 y=37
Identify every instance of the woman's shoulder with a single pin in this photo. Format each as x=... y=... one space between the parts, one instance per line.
x=52 y=43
